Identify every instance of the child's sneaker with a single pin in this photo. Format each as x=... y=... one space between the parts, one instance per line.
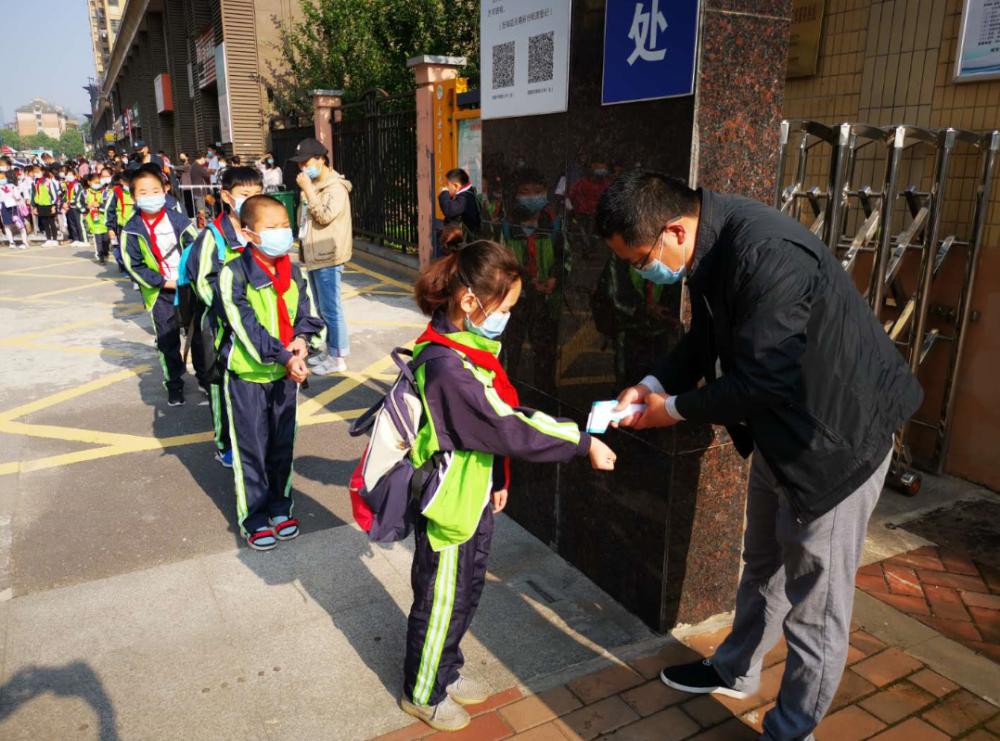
x=447 y=715
x=285 y=528
x=329 y=366
x=225 y=457
x=467 y=691
x=262 y=540
x=175 y=397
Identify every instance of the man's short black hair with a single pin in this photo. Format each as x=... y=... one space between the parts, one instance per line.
x=254 y=206
x=458 y=175
x=233 y=177
x=148 y=170
x=638 y=204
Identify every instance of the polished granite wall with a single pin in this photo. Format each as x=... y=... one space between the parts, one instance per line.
x=662 y=533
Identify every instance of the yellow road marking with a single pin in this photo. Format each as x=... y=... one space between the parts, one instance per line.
x=59 y=276
x=65 y=395
x=45 y=294
x=380 y=276
x=21 y=271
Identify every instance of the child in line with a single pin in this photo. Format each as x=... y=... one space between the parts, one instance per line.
x=269 y=307
x=219 y=243
x=471 y=413
x=121 y=207
x=93 y=202
x=45 y=205
x=155 y=237
x=11 y=206
x=71 y=196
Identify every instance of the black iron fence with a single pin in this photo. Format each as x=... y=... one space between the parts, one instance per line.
x=375 y=147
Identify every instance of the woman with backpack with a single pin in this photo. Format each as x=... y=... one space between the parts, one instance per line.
x=472 y=423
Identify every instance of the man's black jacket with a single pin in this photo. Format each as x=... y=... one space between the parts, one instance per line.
x=462 y=209
x=808 y=376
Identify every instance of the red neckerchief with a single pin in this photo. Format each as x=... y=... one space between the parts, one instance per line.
x=488 y=361
x=281 y=279
x=532 y=266
x=218 y=225
x=151 y=228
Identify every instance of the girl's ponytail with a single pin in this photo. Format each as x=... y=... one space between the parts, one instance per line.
x=487 y=268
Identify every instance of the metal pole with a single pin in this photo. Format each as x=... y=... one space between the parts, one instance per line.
x=836 y=199
x=991 y=144
x=800 y=174
x=782 y=155
x=876 y=286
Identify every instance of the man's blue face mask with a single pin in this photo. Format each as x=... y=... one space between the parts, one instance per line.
x=656 y=272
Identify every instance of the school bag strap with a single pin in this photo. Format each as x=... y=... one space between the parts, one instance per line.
x=220 y=241
x=364 y=423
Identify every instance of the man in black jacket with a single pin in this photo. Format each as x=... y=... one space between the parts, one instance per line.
x=801 y=374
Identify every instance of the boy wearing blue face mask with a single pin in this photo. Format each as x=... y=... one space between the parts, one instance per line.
x=221 y=241
x=268 y=305
x=154 y=238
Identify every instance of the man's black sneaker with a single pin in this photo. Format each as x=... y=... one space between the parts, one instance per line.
x=175 y=397
x=698 y=677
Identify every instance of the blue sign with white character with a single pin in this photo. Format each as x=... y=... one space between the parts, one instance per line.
x=649 y=49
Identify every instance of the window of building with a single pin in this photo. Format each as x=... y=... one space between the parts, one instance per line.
x=115 y=24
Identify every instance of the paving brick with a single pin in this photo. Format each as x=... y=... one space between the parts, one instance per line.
x=652 y=697
x=738 y=707
x=601 y=717
x=958 y=563
x=854 y=655
x=868 y=643
x=707 y=710
x=538 y=709
x=986 y=649
x=872 y=569
x=938 y=595
x=959 y=712
x=755 y=718
x=913 y=729
x=951 y=611
x=897 y=702
x=852 y=688
x=547 y=732
x=496 y=701
x=919 y=559
x=673 y=653
x=731 y=730
x=994 y=725
x=411 y=732
x=988 y=622
x=956 y=581
x=978 y=599
x=850 y=724
x=706 y=643
x=605 y=683
x=909 y=605
x=991 y=575
x=872 y=583
x=955 y=629
x=887 y=666
x=902 y=580
x=933 y=682
x=980 y=734
x=486 y=727
x=667 y=725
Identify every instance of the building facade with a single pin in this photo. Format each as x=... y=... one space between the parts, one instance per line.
x=187 y=74
x=41 y=117
x=105 y=18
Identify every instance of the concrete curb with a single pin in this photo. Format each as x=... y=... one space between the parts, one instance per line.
x=386 y=253
x=945 y=656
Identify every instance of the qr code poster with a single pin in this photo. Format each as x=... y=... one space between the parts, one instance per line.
x=524 y=57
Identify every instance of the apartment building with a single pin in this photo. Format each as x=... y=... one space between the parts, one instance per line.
x=186 y=74
x=105 y=18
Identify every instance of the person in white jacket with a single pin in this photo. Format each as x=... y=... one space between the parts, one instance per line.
x=11 y=205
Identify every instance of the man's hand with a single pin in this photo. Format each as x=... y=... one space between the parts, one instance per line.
x=631 y=395
x=298 y=348
x=297 y=369
x=499 y=500
x=602 y=458
x=656 y=414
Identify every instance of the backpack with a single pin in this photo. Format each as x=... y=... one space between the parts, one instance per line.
x=385 y=487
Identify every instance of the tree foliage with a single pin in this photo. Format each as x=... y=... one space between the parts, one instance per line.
x=71 y=143
x=357 y=45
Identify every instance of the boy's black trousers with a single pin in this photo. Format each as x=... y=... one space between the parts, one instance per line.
x=262 y=429
x=447 y=586
x=168 y=339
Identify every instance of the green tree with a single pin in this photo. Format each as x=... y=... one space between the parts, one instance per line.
x=40 y=140
x=357 y=45
x=71 y=143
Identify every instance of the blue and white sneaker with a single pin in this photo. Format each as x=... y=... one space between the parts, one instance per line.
x=285 y=528
x=225 y=457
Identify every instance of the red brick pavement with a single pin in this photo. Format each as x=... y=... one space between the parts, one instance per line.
x=945 y=590
x=885 y=694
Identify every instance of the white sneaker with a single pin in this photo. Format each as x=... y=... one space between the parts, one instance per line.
x=316 y=359
x=330 y=366
x=22 y=246
x=12 y=246
x=50 y=243
x=447 y=715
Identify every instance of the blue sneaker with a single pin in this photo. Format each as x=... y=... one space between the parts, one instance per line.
x=225 y=457
x=285 y=528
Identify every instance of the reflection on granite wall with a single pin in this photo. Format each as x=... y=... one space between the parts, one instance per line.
x=661 y=534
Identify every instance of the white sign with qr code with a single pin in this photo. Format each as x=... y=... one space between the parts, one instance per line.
x=524 y=57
